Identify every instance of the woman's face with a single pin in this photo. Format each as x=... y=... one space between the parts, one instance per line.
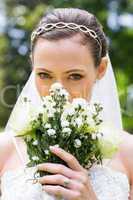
x=68 y=62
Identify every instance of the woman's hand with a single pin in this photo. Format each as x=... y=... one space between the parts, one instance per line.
x=70 y=183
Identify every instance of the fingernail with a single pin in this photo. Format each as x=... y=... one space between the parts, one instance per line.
x=54 y=147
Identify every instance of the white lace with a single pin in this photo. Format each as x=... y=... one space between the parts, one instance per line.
x=107 y=183
x=17 y=185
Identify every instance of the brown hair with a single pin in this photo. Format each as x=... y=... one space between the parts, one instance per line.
x=80 y=17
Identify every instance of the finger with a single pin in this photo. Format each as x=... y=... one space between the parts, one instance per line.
x=58 y=169
x=63 y=192
x=59 y=179
x=67 y=157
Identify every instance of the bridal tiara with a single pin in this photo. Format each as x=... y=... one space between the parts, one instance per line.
x=60 y=25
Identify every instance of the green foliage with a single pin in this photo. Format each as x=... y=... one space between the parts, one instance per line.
x=15 y=65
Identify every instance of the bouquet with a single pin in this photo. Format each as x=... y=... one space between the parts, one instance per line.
x=74 y=126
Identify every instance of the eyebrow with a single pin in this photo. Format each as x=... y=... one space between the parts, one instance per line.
x=72 y=70
x=42 y=69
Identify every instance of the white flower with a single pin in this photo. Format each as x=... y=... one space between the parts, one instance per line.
x=22 y=117
x=51 y=132
x=68 y=111
x=47 y=99
x=48 y=102
x=66 y=130
x=47 y=125
x=110 y=140
x=64 y=92
x=51 y=112
x=78 y=121
x=49 y=107
x=90 y=121
x=56 y=86
x=57 y=89
x=34 y=111
x=91 y=109
x=35 y=158
x=94 y=136
x=46 y=152
x=64 y=123
x=80 y=102
x=35 y=143
x=77 y=143
x=99 y=135
x=58 y=110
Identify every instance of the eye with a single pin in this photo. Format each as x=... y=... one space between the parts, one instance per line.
x=43 y=75
x=75 y=76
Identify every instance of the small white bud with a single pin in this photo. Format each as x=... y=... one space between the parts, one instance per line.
x=46 y=152
x=35 y=158
x=64 y=123
x=47 y=126
x=35 y=143
x=51 y=132
x=77 y=143
x=94 y=136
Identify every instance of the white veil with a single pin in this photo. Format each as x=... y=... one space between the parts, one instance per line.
x=104 y=92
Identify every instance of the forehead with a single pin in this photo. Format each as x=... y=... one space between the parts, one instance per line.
x=65 y=52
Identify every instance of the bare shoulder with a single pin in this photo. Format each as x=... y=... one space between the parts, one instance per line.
x=126 y=156
x=126 y=152
x=5 y=141
x=6 y=148
x=126 y=146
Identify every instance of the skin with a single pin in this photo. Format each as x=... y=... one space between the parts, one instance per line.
x=76 y=73
x=59 y=57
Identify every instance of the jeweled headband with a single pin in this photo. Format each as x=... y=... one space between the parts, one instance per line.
x=60 y=25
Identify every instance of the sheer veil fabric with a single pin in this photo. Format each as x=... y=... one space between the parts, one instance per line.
x=105 y=92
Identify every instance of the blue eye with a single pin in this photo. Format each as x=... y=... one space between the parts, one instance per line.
x=43 y=75
x=75 y=76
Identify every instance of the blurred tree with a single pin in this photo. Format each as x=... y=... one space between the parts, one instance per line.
x=22 y=16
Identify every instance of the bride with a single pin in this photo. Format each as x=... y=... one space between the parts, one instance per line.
x=68 y=46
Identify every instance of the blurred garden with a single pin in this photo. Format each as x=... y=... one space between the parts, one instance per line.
x=17 y=19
